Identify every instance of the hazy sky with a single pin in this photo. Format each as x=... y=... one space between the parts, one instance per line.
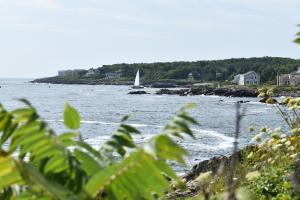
x=40 y=37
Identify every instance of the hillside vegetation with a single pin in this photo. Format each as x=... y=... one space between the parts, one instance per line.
x=216 y=70
x=177 y=72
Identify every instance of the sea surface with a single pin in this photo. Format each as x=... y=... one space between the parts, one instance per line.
x=101 y=108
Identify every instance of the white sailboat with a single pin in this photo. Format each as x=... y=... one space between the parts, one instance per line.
x=137 y=81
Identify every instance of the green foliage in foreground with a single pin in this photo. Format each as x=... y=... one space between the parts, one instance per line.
x=297 y=40
x=35 y=163
x=270 y=170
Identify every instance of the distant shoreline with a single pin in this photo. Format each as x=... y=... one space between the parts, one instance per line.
x=85 y=81
x=227 y=90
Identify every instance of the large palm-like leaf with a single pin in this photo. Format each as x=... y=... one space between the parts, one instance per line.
x=41 y=164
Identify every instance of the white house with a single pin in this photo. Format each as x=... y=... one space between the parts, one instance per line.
x=289 y=79
x=190 y=76
x=249 y=78
x=90 y=72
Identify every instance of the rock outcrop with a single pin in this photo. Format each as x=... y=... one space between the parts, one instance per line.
x=138 y=92
x=213 y=165
x=204 y=90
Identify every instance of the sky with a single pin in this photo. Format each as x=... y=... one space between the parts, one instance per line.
x=40 y=37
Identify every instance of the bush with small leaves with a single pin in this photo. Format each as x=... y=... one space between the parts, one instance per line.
x=272 y=184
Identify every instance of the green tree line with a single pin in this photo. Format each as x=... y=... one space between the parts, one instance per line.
x=215 y=70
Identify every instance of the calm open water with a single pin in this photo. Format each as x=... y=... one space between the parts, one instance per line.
x=102 y=107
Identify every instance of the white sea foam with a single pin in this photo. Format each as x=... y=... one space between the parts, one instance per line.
x=217 y=141
x=86 y=122
x=109 y=123
x=222 y=141
x=97 y=122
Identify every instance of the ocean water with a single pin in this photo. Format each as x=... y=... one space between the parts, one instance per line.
x=102 y=107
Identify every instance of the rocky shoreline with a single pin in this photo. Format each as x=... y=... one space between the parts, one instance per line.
x=204 y=90
x=189 y=90
x=78 y=81
x=214 y=164
x=86 y=81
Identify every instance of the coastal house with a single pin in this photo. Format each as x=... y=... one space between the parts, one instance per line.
x=190 y=76
x=90 y=73
x=74 y=72
x=113 y=75
x=289 y=79
x=249 y=78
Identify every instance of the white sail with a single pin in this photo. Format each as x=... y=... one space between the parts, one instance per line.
x=137 y=79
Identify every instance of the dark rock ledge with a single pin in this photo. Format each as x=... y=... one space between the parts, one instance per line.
x=138 y=92
x=212 y=165
x=228 y=92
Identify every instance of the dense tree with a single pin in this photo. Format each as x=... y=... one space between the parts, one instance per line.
x=217 y=70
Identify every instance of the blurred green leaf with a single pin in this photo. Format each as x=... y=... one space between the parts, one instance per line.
x=88 y=163
x=31 y=174
x=71 y=117
x=125 y=118
x=45 y=168
x=26 y=102
x=167 y=149
x=130 y=129
x=188 y=119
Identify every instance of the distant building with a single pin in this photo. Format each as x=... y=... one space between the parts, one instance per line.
x=90 y=72
x=113 y=75
x=249 y=78
x=74 y=72
x=190 y=76
x=289 y=79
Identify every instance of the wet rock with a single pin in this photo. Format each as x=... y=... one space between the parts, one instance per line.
x=138 y=92
x=181 y=92
x=206 y=90
x=242 y=101
x=214 y=164
x=265 y=99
